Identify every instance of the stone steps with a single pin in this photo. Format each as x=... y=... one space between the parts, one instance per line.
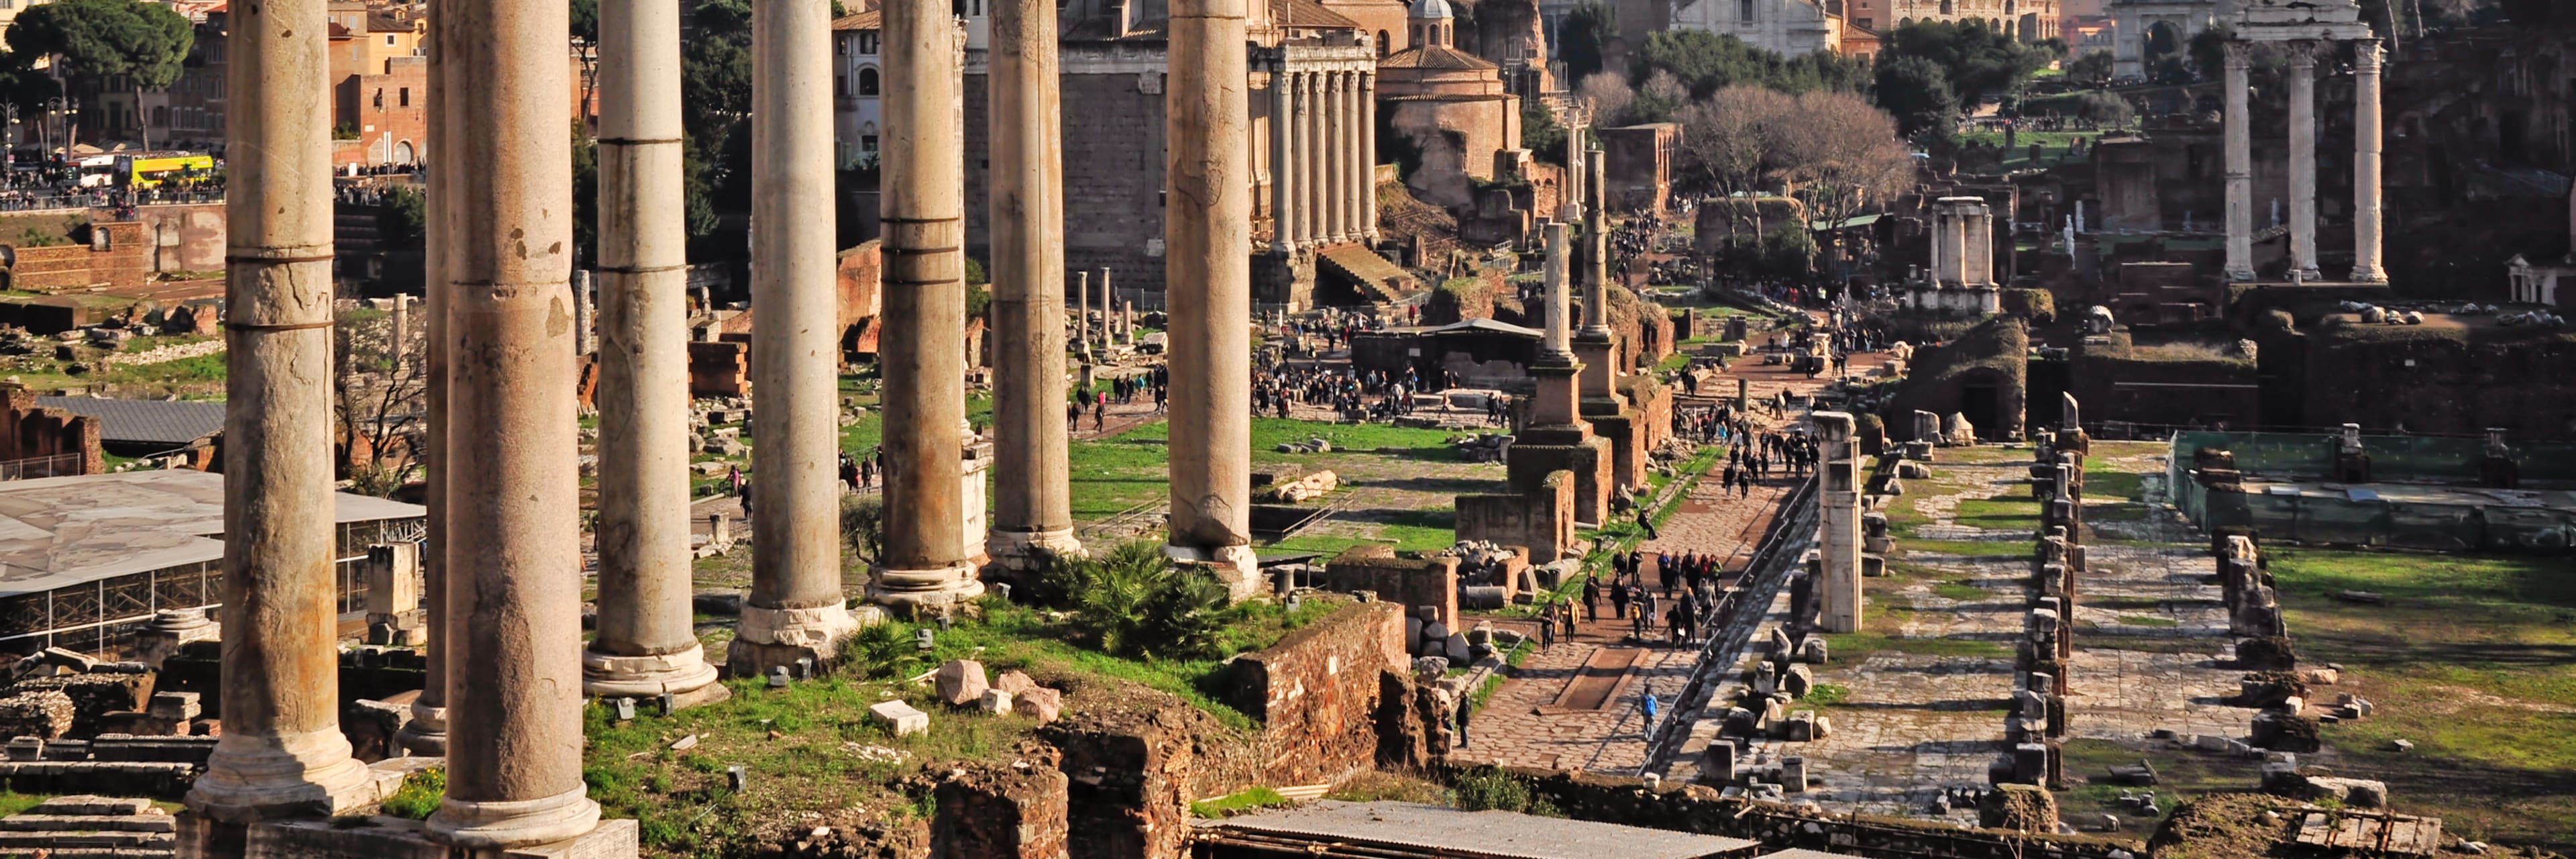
x=92 y=827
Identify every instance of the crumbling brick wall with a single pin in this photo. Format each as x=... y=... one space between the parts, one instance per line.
x=1406 y=582
x=1315 y=693
x=28 y=430
x=1541 y=520
x=999 y=809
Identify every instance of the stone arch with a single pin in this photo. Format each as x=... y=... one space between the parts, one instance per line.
x=402 y=152
x=868 y=81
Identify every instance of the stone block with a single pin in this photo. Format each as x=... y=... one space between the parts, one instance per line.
x=1014 y=681
x=994 y=701
x=960 y=682
x=900 y=717
x=1040 y=703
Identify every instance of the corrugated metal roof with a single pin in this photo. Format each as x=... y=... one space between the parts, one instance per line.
x=1803 y=853
x=1491 y=834
x=177 y=423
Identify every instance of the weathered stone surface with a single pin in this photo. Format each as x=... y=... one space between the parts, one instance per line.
x=1040 y=703
x=1014 y=681
x=960 y=682
x=900 y=717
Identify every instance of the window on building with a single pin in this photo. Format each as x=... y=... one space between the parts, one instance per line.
x=403 y=97
x=389 y=40
x=1865 y=23
x=1945 y=8
x=1744 y=10
x=868 y=42
x=1383 y=44
x=868 y=81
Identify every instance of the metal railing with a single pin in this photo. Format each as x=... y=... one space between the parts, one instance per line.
x=1793 y=525
x=34 y=467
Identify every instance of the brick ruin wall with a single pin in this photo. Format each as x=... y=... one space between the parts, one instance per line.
x=28 y=431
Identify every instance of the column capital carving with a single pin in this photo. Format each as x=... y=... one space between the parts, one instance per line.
x=2238 y=54
x=2303 y=54
x=2367 y=54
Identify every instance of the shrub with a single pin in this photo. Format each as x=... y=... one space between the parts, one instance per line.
x=863 y=525
x=420 y=794
x=1133 y=602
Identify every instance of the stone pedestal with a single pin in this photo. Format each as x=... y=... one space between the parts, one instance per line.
x=1599 y=355
x=396 y=838
x=1838 y=537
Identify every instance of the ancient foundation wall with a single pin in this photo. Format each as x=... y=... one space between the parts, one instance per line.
x=1698 y=809
x=1315 y=693
x=1542 y=519
x=1406 y=582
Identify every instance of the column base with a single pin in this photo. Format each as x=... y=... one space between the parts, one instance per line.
x=505 y=824
x=2244 y=275
x=425 y=736
x=766 y=638
x=395 y=838
x=251 y=777
x=2311 y=274
x=2369 y=276
x=684 y=675
x=929 y=587
x=1019 y=551
x=1234 y=566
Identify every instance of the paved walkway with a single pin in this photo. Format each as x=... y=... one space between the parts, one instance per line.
x=1520 y=728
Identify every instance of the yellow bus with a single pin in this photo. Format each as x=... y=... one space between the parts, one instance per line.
x=151 y=172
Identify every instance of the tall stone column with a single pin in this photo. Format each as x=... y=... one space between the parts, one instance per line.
x=1033 y=510
x=1108 y=303
x=925 y=296
x=1556 y=342
x=426 y=734
x=1368 y=155
x=1283 y=181
x=1082 y=316
x=796 y=608
x=514 y=585
x=1310 y=157
x=1838 y=546
x=1574 y=172
x=282 y=753
x=1295 y=163
x=1354 y=162
x=1596 y=240
x=1337 y=160
x=1208 y=279
x=1977 y=244
x=2240 y=168
x=646 y=646
x=2303 y=158
x=2366 y=130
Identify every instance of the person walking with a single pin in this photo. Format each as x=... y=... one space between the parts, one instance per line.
x=1547 y=628
x=1591 y=599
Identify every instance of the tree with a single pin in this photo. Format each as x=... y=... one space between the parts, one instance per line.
x=1605 y=97
x=403 y=217
x=375 y=396
x=2093 y=69
x=1657 y=101
x=2104 y=109
x=1727 y=139
x=715 y=99
x=1843 y=156
x=1583 y=35
x=1541 y=134
x=585 y=43
x=1706 y=62
x=2209 y=51
x=142 y=44
x=1978 y=62
x=1918 y=93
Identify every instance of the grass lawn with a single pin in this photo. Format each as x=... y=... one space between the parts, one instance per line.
x=2472 y=658
x=810 y=748
x=2053 y=146
x=2181 y=776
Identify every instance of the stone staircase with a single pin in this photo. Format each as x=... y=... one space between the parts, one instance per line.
x=1377 y=279
x=91 y=827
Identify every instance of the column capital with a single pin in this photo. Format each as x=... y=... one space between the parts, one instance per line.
x=2367 y=54
x=2237 y=54
x=2303 y=54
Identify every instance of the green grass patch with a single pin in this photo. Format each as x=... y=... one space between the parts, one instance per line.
x=1248 y=800
x=1824 y=695
x=13 y=802
x=2149 y=620
x=2473 y=659
x=1999 y=513
x=420 y=794
x=2182 y=775
x=1960 y=591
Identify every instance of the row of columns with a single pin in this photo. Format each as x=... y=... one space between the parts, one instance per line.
x=1323 y=144
x=2367 y=134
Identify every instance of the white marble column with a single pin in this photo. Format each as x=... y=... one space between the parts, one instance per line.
x=2366 y=214
x=2240 y=168
x=1354 y=126
x=1368 y=155
x=2303 y=158
x=1283 y=182
x=1575 y=174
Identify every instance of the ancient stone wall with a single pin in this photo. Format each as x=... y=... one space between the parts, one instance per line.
x=1315 y=693
x=1698 y=809
x=857 y=280
x=1113 y=164
x=1540 y=520
x=2442 y=381
x=1406 y=582
x=1011 y=809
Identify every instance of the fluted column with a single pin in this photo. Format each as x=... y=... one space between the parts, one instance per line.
x=1573 y=195
x=515 y=743
x=2240 y=168
x=1283 y=181
x=282 y=752
x=1032 y=510
x=796 y=608
x=1368 y=155
x=1301 y=160
x=1354 y=168
x=2303 y=158
x=925 y=371
x=2366 y=214
x=1082 y=315
x=1556 y=343
x=1208 y=280
x=646 y=645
